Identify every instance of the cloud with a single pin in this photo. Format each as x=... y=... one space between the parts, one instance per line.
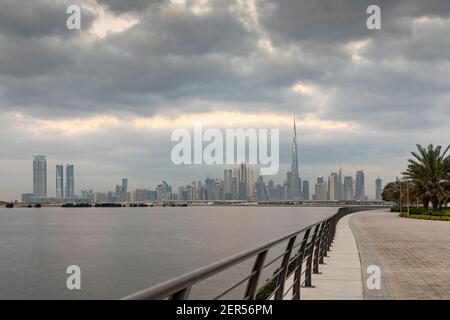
x=137 y=68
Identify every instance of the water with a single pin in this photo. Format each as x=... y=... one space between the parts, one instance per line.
x=123 y=250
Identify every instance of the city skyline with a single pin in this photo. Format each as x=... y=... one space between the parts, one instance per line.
x=237 y=184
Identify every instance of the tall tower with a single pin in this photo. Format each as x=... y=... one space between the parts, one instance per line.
x=40 y=176
x=242 y=181
x=70 y=193
x=340 y=193
x=359 y=185
x=59 y=181
x=378 y=188
x=294 y=187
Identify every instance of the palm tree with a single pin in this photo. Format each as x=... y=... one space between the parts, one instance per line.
x=428 y=172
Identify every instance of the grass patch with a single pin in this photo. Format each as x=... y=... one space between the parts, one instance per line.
x=425 y=216
x=424 y=212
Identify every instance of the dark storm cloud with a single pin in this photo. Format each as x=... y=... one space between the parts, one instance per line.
x=340 y=20
x=38 y=18
x=127 y=6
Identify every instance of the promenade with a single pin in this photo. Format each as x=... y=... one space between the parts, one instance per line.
x=413 y=256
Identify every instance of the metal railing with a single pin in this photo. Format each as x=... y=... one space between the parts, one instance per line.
x=301 y=258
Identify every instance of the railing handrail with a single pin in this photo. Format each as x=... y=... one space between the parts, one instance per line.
x=187 y=280
x=190 y=278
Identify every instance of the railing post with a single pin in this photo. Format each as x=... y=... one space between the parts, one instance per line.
x=317 y=247
x=331 y=232
x=324 y=242
x=252 y=284
x=299 y=266
x=283 y=269
x=309 y=252
x=182 y=294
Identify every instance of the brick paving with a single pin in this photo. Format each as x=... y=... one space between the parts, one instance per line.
x=414 y=255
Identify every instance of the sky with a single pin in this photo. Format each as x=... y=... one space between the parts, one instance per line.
x=107 y=97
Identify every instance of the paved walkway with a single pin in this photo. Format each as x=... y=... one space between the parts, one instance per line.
x=340 y=277
x=414 y=255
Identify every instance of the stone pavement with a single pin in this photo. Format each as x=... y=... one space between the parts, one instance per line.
x=340 y=277
x=413 y=254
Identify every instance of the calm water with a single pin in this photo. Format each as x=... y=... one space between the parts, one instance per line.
x=123 y=250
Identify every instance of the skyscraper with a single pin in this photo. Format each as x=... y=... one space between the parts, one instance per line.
x=305 y=189
x=348 y=188
x=320 y=189
x=70 y=190
x=250 y=182
x=261 y=194
x=378 y=187
x=124 y=185
x=334 y=186
x=341 y=190
x=359 y=185
x=59 y=181
x=40 y=175
x=227 y=181
x=242 y=181
x=294 y=186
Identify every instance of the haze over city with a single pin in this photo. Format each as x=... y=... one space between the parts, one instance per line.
x=107 y=97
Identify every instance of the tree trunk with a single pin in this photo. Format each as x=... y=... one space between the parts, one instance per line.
x=435 y=203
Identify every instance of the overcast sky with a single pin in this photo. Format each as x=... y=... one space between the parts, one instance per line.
x=107 y=97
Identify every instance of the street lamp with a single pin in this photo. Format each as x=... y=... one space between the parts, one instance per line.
x=407 y=197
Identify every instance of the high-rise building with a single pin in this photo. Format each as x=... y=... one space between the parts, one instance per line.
x=341 y=191
x=294 y=185
x=378 y=187
x=348 y=188
x=70 y=184
x=40 y=176
x=242 y=181
x=250 y=183
x=288 y=184
x=227 y=182
x=334 y=186
x=59 y=181
x=320 y=189
x=359 y=185
x=261 y=194
x=124 y=185
x=305 y=189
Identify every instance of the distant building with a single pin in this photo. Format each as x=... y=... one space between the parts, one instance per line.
x=378 y=188
x=348 y=188
x=261 y=194
x=334 y=186
x=305 y=190
x=359 y=185
x=294 y=185
x=87 y=196
x=242 y=181
x=124 y=186
x=59 y=181
x=28 y=197
x=250 y=183
x=228 y=180
x=40 y=176
x=99 y=197
x=70 y=183
x=320 y=189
